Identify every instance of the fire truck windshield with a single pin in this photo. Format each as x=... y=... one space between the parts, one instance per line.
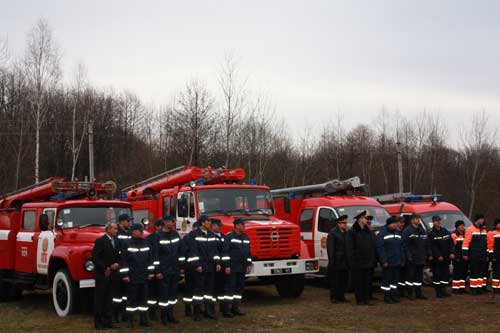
x=448 y=219
x=235 y=201
x=81 y=216
x=379 y=214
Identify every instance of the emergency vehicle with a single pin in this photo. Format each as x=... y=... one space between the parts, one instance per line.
x=187 y=192
x=426 y=206
x=47 y=232
x=314 y=209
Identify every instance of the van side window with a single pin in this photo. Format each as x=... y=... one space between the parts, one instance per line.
x=182 y=205
x=326 y=219
x=306 y=219
x=166 y=206
x=29 y=220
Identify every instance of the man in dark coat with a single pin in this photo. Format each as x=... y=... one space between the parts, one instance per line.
x=361 y=257
x=442 y=252
x=105 y=257
x=338 y=273
x=189 y=271
x=153 y=285
x=219 y=276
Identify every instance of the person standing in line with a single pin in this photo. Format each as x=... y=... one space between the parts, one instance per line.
x=338 y=270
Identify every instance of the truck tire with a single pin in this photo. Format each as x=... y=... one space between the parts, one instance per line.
x=290 y=286
x=64 y=293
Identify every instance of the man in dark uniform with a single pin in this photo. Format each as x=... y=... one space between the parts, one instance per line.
x=442 y=252
x=187 y=242
x=404 y=221
x=390 y=253
x=106 y=263
x=338 y=273
x=153 y=293
x=361 y=257
x=416 y=251
x=137 y=268
x=120 y=289
x=219 y=276
x=237 y=261
x=460 y=267
x=169 y=254
x=205 y=258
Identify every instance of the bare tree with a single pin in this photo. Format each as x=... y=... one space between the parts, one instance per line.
x=42 y=66
x=233 y=98
x=4 y=53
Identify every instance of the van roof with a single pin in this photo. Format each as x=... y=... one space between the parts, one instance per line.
x=340 y=201
x=421 y=207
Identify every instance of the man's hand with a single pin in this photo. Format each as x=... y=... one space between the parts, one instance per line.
x=440 y=258
x=182 y=271
x=159 y=276
x=107 y=273
x=227 y=270
x=115 y=266
x=249 y=268
x=126 y=279
x=431 y=258
x=385 y=265
x=217 y=268
x=466 y=258
x=199 y=269
x=452 y=256
x=150 y=276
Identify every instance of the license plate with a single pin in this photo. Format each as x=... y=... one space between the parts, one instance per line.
x=281 y=270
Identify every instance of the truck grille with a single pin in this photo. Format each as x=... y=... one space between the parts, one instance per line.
x=274 y=242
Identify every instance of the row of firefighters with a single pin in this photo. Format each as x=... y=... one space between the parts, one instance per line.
x=136 y=275
x=403 y=248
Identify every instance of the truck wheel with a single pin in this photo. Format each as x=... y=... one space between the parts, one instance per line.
x=63 y=293
x=290 y=286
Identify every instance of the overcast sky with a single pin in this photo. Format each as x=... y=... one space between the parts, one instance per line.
x=312 y=57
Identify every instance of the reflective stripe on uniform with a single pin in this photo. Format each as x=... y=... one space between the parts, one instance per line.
x=131 y=309
x=124 y=270
x=193 y=259
x=226 y=258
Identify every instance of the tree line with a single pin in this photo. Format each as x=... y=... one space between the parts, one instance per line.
x=44 y=124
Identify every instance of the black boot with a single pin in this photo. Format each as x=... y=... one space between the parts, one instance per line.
x=387 y=298
x=438 y=292
x=236 y=309
x=210 y=311
x=130 y=318
x=170 y=315
x=402 y=291
x=411 y=293
x=144 y=322
x=197 y=312
x=188 y=310
x=395 y=296
x=226 y=310
x=152 y=314
x=163 y=316
x=444 y=292
x=418 y=293
x=115 y=317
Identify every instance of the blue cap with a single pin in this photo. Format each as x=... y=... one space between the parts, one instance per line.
x=159 y=223
x=238 y=220
x=168 y=218
x=203 y=218
x=124 y=217
x=137 y=226
x=391 y=220
x=196 y=224
x=436 y=218
x=216 y=221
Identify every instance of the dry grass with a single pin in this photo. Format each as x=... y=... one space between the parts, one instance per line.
x=269 y=313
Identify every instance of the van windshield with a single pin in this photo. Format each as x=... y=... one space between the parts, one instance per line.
x=379 y=214
x=448 y=219
x=234 y=201
x=78 y=216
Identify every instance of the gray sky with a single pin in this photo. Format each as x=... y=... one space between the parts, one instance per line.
x=312 y=57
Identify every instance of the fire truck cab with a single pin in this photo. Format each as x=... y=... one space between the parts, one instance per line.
x=188 y=192
x=314 y=209
x=47 y=232
x=426 y=206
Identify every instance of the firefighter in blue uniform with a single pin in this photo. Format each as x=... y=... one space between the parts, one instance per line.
x=119 y=287
x=188 y=271
x=442 y=252
x=416 y=250
x=219 y=276
x=390 y=253
x=237 y=261
x=137 y=268
x=171 y=259
x=205 y=259
x=153 y=284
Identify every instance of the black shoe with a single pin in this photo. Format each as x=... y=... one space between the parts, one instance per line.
x=197 y=313
x=236 y=310
x=144 y=322
x=170 y=316
x=153 y=315
x=226 y=310
x=188 y=310
x=163 y=316
x=387 y=299
x=411 y=294
x=130 y=318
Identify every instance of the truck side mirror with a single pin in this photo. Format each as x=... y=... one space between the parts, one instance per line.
x=145 y=222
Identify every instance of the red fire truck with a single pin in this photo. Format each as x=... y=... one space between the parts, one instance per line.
x=315 y=207
x=47 y=232
x=426 y=206
x=189 y=191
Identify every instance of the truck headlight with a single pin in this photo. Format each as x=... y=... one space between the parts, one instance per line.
x=311 y=265
x=89 y=266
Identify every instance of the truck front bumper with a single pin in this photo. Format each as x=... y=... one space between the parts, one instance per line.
x=284 y=267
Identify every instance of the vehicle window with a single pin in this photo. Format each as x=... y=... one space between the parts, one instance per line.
x=139 y=215
x=166 y=206
x=234 y=201
x=448 y=219
x=182 y=205
x=326 y=219
x=173 y=206
x=306 y=219
x=191 y=205
x=77 y=216
x=29 y=219
x=51 y=214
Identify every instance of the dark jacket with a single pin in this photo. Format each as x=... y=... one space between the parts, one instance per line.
x=169 y=253
x=152 y=239
x=441 y=244
x=336 y=245
x=203 y=250
x=390 y=247
x=123 y=237
x=104 y=255
x=236 y=252
x=360 y=248
x=416 y=245
x=137 y=260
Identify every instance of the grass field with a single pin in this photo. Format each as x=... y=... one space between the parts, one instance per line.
x=266 y=312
